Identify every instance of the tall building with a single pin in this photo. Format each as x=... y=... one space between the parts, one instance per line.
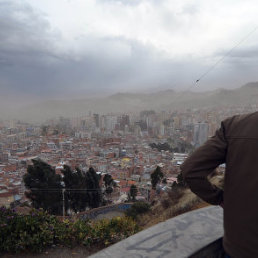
x=123 y=121
x=162 y=130
x=96 y=120
x=176 y=122
x=110 y=122
x=201 y=131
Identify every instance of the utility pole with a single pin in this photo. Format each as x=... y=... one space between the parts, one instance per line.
x=63 y=190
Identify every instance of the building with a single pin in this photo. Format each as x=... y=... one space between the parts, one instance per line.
x=201 y=131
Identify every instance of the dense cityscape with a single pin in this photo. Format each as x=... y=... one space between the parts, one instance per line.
x=127 y=146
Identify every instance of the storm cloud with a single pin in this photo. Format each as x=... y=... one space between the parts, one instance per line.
x=105 y=46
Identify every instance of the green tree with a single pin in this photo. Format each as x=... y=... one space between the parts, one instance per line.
x=94 y=196
x=109 y=183
x=133 y=191
x=44 y=187
x=108 y=180
x=164 y=181
x=76 y=192
x=180 y=182
x=137 y=208
x=156 y=177
x=109 y=190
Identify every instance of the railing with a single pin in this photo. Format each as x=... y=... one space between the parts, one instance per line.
x=194 y=234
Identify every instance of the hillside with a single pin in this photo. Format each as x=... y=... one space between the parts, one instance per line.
x=177 y=201
x=129 y=102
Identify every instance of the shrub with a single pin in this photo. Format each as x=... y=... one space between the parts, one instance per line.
x=39 y=230
x=106 y=232
x=25 y=232
x=165 y=203
x=137 y=208
x=175 y=194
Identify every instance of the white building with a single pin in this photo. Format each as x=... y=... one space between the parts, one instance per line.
x=179 y=158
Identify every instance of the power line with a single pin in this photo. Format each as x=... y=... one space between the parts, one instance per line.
x=227 y=54
x=60 y=189
x=216 y=63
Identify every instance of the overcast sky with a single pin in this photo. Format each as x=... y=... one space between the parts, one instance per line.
x=80 y=48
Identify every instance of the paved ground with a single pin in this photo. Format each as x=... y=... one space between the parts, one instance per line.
x=110 y=215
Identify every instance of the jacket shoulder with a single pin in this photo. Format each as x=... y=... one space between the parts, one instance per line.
x=240 y=125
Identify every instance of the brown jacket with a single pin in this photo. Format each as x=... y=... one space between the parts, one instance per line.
x=236 y=144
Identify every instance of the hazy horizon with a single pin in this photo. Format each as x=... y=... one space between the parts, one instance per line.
x=40 y=110
x=10 y=100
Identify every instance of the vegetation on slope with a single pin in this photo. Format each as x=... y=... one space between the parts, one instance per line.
x=39 y=230
x=177 y=201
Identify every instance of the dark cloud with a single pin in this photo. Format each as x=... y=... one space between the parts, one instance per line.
x=22 y=28
x=249 y=52
x=236 y=67
x=26 y=48
x=32 y=63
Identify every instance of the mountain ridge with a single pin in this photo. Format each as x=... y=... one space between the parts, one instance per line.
x=131 y=102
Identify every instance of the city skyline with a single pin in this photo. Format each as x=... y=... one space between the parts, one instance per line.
x=126 y=146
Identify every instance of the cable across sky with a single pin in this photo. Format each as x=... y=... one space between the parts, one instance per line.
x=226 y=55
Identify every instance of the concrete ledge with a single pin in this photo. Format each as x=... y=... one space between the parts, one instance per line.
x=183 y=236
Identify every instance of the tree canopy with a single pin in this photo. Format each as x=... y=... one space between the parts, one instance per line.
x=109 y=183
x=180 y=182
x=44 y=187
x=156 y=177
x=75 y=189
x=133 y=191
x=94 y=195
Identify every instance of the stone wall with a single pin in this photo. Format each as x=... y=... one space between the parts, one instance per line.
x=192 y=234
